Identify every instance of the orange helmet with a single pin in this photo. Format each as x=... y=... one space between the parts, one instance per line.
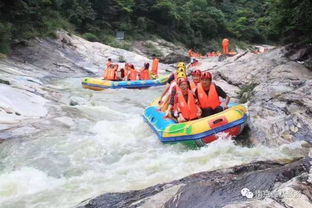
x=196 y=72
x=206 y=75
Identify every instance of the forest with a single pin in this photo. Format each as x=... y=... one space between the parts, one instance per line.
x=194 y=23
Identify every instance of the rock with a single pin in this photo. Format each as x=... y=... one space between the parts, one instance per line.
x=22 y=102
x=4 y=82
x=308 y=64
x=174 y=58
x=282 y=93
x=70 y=55
x=67 y=121
x=222 y=58
x=277 y=110
x=75 y=100
x=161 y=48
x=222 y=188
x=73 y=103
x=18 y=132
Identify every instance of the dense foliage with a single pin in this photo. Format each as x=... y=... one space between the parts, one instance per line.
x=192 y=22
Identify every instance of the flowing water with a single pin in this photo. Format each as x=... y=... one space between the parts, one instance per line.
x=105 y=146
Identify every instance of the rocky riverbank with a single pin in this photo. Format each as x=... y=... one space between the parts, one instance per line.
x=267 y=184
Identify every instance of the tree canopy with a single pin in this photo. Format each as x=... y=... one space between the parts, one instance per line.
x=192 y=22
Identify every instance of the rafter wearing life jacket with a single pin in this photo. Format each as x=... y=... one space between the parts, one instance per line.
x=133 y=74
x=127 y=70
x=144 y=73
x=196 y=74
x=108 y=65
x=166 y=95
x=185 y=102
x=208 y=101
x=155 y=67
x=225 y=45
x=109 y=62
x=112 y=72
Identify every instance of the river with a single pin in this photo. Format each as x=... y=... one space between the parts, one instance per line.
x=105 y=146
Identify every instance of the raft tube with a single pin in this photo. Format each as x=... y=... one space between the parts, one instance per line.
x=100 y=84
x=197 y=132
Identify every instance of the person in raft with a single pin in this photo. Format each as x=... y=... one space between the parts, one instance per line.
x=108 y=65
x=111 y=72
x=155 y=62
x=171 y=93
x=180 y=72
x=196 y=77
x=132 y=73
x=185 y=103
x=120 y=74
x=208 y=94
x=144 y=73
x=181 y=68
x=109 y=62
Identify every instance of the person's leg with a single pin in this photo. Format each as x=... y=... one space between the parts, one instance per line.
x=218 y=110
x=206 y=112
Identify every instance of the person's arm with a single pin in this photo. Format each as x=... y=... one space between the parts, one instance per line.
x=222 y=94
x=180 y=118
x=227 y=100
x=172 y=101
x=170 y=79
x=163 y=94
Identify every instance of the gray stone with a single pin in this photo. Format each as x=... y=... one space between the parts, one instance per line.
x=221 y=188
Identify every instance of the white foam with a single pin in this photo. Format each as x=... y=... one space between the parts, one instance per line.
x=25 y=181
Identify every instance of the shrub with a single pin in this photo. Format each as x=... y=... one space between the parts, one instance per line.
x=246 y=92
x=5 y=38
x=90 y=37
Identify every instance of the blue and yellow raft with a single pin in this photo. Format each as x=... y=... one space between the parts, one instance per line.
x=197 y=132
x=100 y=84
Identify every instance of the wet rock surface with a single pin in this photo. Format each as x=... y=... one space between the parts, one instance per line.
x=278 y=91
x=223 y=188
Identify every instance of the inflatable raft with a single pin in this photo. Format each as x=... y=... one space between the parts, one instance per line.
x=197 y=132
x=100 y=84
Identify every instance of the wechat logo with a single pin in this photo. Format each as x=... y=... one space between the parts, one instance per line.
x=247 y=193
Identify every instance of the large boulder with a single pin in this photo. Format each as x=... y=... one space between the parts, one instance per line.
x=259 y=184
x=174 y=58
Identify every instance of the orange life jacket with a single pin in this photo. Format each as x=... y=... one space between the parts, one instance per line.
x=108 y=64
x=225 y=42
x=106 y=72
x=193 y=86
x=127 y=69
x=133 y=74
x=111 y=73
x=189 y=109
x=144 y=74
x=208 y=101
x=155 y=66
